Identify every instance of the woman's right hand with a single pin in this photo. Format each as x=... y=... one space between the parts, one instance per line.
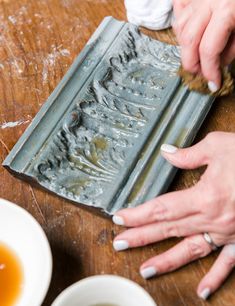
x=205 y=31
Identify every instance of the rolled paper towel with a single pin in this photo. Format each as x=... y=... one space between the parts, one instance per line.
x=197 y=82
x=151 y=14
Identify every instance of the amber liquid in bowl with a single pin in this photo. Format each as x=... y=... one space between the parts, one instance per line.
x=11 y=276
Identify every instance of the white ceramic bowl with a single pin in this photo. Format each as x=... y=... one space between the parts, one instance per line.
x=104 y=289
x=23 y=234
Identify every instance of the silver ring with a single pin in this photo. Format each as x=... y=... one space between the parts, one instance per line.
x=209 y=240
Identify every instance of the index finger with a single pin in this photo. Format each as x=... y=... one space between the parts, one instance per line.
x=167 y=207
x=213 y=42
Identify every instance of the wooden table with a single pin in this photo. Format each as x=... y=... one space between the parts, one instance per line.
x=38 y=42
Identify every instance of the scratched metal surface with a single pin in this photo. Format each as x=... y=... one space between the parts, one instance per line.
x=96 y=140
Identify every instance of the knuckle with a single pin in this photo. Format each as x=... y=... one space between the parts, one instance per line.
x=160 y=211
x=169 y=265
x=171 y=230
x=215 y=198
x=230 y=261
x=141 y=240
x=190 y=41
x=192 y=67
x=205 y=51
x=189 y=156
x=194 y=249
x=188 y=65
x=227 y=223
x=217 y=206
x=186 y=155
x=229 y=219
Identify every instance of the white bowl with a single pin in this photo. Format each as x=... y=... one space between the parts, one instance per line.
x=104 y=289
x=23 y=234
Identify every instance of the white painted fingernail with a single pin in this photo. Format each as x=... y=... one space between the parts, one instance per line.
x=120 y=245
x=148 y=272
x=205 y=294
x=229 y=250
x=118 y=220
x=212 y=86
x=168 y=148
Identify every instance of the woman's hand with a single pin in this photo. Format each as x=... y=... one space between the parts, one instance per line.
x=207 y=207
x=206 y=32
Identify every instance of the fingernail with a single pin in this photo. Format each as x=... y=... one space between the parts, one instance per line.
x=148 y=272
x=212 y=86
x=168 y=148
x=205 y=294
x=229 y=250
x=118 y=220
x=120 y=245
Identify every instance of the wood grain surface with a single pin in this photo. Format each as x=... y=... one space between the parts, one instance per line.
x=38 y=42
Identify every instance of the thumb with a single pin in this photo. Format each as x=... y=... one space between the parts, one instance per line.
x=188 y=158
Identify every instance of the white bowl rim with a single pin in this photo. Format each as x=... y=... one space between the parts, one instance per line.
x=67 y=291
x=38 y=227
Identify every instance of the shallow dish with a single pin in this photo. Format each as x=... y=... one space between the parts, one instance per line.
x=104 y=290
x=23 y=234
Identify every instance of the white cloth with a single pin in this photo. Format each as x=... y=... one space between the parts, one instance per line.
x=152 y=14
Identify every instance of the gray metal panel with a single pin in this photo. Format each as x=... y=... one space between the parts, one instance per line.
x=97 y=139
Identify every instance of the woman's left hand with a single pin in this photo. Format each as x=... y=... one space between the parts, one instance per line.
x=207 y=207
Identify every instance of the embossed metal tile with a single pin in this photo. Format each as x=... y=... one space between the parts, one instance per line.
x=97 y=139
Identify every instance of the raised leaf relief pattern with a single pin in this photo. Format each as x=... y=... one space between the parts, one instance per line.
x=94 y=141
